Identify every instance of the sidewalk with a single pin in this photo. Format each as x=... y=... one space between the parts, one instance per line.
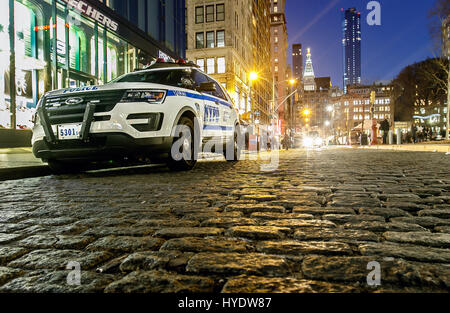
x=17 y=163
x=419 y=147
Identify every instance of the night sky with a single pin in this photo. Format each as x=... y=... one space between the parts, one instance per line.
x=402 y=39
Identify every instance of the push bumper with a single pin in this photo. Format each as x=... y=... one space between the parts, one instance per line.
x=102 y=147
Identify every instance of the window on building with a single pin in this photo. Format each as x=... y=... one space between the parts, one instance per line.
x=220 y=38
x=275 y=9
x=199 y=40
x=210 y=66
x=221 y=65
x=201 y=64
x=220 y=12
x=199 y=15
x=276 y=39
x=209 y=13
x=209 y=39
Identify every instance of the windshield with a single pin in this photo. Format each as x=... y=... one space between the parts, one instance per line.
x=176 y=78
x=313 y=134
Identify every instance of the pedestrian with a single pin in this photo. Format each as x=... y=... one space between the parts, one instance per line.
x=414 y=132
x=286 y=141
x=385 y=128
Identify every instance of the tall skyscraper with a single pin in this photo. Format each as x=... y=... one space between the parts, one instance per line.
x=279 y=46
x=351 y=42
x=309 y=82
x=297 y=62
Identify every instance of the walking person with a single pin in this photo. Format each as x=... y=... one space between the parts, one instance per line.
x=414 y=132
x=385 y=128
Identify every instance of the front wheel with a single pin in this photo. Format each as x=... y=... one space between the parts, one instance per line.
x=237 y=148
x=182 y=155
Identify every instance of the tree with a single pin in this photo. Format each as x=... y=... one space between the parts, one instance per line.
x=439 y=29
x=417 y=84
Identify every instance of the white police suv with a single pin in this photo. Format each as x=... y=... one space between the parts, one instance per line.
x=166 y=112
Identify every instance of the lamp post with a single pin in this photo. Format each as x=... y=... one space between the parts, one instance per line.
x=254 y=76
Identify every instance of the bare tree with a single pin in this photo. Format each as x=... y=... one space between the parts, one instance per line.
x=439 y=29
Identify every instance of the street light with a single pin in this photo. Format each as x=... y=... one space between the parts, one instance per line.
x=306 y=112
x=253 y=76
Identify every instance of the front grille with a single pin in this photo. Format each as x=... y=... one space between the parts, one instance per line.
x=59 y=112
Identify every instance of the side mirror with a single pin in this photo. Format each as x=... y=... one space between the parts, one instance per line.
x=207 y=87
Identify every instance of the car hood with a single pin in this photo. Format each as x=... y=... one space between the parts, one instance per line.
x=111 y=86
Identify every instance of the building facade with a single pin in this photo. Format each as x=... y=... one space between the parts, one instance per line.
x=352 y=110
x=228 y=39
x=261 y=25
x=297 y=62
x=53 y=44
x=279 y=46
x=351 y=42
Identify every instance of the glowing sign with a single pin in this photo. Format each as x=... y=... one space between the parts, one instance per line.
x=90 y=11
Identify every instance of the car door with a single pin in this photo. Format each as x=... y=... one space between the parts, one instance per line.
x=225 y=112
x=211 y=109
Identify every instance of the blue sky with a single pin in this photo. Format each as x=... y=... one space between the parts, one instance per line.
x=402 y=39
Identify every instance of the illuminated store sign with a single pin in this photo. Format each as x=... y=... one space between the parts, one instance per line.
x=90 y=11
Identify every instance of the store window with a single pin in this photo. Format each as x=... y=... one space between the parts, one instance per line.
x=116 y=57
x=5 y=118
x=29 y=65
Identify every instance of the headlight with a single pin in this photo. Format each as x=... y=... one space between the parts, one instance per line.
x=308 y=142
x=318 y=141
x=151 y=96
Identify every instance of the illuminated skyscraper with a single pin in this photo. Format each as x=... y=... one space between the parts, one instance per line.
x=351 y=42
x=309 y=82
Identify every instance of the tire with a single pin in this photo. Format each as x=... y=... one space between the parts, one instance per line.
x=182 y=154
x=237 y=149
x=60 y=167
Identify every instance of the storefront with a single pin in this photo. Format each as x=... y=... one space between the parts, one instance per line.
x=63 y=43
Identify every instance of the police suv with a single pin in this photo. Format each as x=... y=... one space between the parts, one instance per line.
x=166 y=112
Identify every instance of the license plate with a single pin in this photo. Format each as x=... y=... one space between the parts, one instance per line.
x=69 y=131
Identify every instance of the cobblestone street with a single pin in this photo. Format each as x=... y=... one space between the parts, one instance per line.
x=313 y=225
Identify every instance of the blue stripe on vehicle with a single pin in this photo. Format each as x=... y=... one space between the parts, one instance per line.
x=173 y=93
x=217 y=127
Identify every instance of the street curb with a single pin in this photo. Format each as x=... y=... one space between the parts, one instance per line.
x=14 y=173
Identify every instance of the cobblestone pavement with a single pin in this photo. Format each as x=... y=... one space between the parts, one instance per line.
x=311 y=226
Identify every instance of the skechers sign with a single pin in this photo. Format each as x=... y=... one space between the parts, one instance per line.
x=90 y=11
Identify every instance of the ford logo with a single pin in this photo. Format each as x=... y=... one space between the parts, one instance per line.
x=74 y=101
